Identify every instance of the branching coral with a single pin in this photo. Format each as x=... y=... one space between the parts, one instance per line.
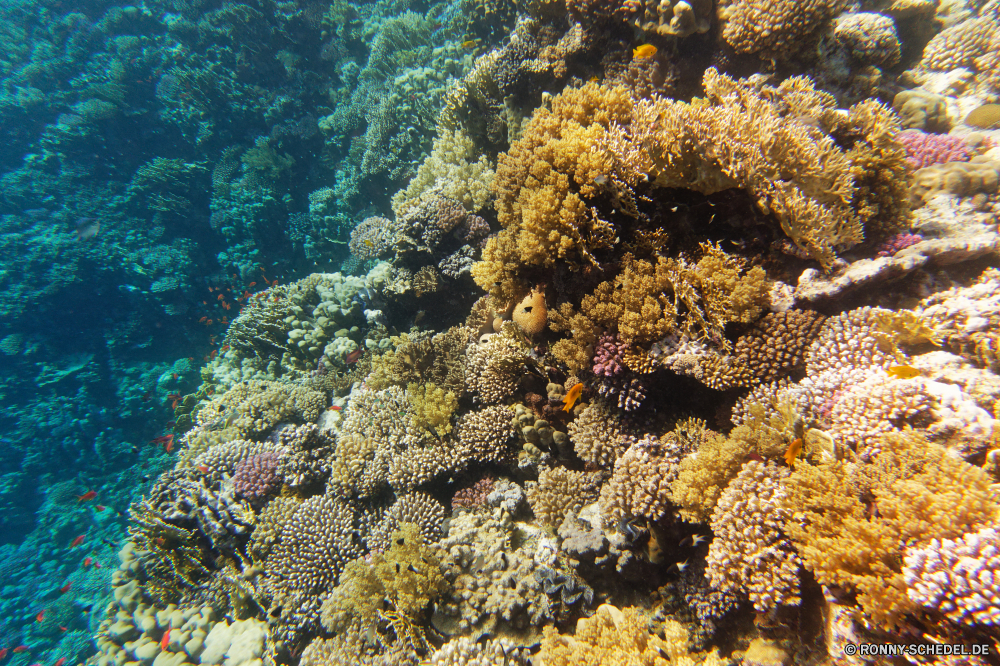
x=850 y=523
x=781 y=146
x=750 y=553
x=543 y=183
x=620 y=636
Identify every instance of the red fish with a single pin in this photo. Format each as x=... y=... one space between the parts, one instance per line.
x=20 y=648
x=353 y=356
x=100 y=507
x=77 y=541
x=60 y=661
x=86 y=497
x=65 y=588
x=3 y=653
x=166 y=440
x=335 y=408
x=63 y=629
x=166 y=639
x=203 y=469
x=40 y=616
x=87 y=561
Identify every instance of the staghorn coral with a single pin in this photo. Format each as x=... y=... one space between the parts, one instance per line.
x=776 y=30
x=788 y=158
x=959 y=578
x=559 y=492
x=921 y=492
x=599 y=434
x=620 y=636
x=749 y=552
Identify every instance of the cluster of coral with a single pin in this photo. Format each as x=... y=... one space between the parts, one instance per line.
x=652 y=360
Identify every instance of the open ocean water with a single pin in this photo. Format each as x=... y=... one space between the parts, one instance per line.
x=499 y=332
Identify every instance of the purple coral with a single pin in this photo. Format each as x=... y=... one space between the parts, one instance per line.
x=608 y=356
x=894 y=244
x=957 y=577
x=923 y=149
x=473 y=497
x=257 y=475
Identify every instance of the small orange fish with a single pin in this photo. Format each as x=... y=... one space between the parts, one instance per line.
x=353 y=356
x=252 y=284
x=212 y=355
x=794 y=449
x=209 y=322
x=166 y=440
x=173 y=376
x=644 y=51
x=219 y=297
x=3 y=653
x=335 y=408
x=40 y=616
x=203 y=320
x=100 y=507
x=203 y=469
x=65 y=588
x=86 y=497
x=210 y=288
x=60 y=661
x=20 y=648
x=903 y=372
x=87 y=561
x=166 y=639
x=63 y=629
x=467 y=44
x=77 y=541
x=572 y=396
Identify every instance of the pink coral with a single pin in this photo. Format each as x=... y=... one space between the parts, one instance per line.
x=257 y=475
x=894 y=244
x=608 y=356
x=924 y=149
x=472 y=497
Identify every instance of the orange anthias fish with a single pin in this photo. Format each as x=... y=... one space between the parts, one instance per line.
x=571 y=397
x=166 y=639
x=65 y=588
x=87 y=561
x=3 y=653
x=77 y=541
x=166 y=440
x=353 y=356
x=40 y=616
x=903 y=372
x=86 y=497
x=60 y=661
x=644 y=51
x=794 y=449
x=20 y=648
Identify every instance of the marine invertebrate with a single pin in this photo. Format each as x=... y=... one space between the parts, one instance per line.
x=959 y=578
x=923 y=149
x=619 y=636
x=530 y=314
x=960 y=45
x=599 y=434
x=492 y=366
x=414 y=508
x=897 y=242
x=869 y=37
x=257 y=476
x=750 y=553
x=832 y=193
x=486 y=434
x=921 y=492
x=979 y=175
x=679 y=18
x=776 y=347
x=559 y=492
x=608 y=356
x=639 y=486
x=776 y=30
